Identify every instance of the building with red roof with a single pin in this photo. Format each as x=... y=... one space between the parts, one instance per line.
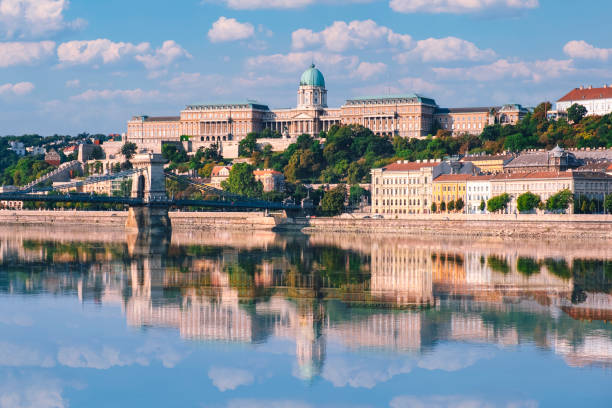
x=597 y=101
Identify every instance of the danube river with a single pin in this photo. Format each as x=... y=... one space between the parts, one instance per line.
x=258 y=319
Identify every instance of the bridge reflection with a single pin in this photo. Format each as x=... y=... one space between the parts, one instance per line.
x=396 y=295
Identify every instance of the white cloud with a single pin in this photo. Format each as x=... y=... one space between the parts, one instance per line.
x=413 y=84
x=281 y=4
x=229 y=378
x=73 y=83
x=459 y=6
x=446 y=49
x=299 y=61
x=85 y=357
x=169 y=52
x=184 y=79
x=19 y=89
x=254 y=403
x=362 y=373
x=259 y=4
x=31 y=18
x=341 y=36
x=229 y=29
x=447 y=358
x=18 y=53
x=12 y=355
x=131 y=95
x=584 y=50
x=18 y=319
x=454 y=401
x=367 y=70
x=84 y=52
x=532 y=71
x=31 y=393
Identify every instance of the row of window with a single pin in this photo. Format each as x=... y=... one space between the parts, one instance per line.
x=402 y=202
x=398 y=191
x=401 y=180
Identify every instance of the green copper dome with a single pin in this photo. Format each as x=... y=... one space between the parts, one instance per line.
x=312 y=77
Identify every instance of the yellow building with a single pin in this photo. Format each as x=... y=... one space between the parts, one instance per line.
x=491 y=164
x=450 y=187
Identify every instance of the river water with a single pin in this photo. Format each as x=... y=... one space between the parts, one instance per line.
x=258 y=319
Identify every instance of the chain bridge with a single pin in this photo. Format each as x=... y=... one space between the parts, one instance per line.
x=148 y=201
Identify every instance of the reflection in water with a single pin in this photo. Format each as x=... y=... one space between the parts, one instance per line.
x=394 y=295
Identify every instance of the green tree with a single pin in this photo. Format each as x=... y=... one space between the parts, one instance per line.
x=128 y=150
x=333 y=200
x=174 y=154
x=451 y=206
x=527 y=266
x=576 y=113
x=593 y=207
x=434 y=208
x=482 y=205
x=498 y=203
x=459 y=204
x=559 y=201
x=248 y=145
x=442 y=206
x=241 y=181
x=498 y=264
x=608 y=203
x=355 y=194
x=527 y=202
x=97 y=153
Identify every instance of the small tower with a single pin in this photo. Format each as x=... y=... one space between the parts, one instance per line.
x=312 y=93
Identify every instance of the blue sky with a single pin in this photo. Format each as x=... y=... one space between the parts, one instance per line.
x=73 y=66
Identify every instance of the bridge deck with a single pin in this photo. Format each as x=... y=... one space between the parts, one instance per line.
x=139 y=202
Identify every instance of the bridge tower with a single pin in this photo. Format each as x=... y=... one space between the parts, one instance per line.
x=149 y=183
x=150 y=219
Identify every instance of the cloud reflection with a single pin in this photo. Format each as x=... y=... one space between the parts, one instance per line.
x=229 y=378
x=454 y=401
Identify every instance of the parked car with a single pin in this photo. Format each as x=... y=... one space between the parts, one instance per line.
x=367 y=217
x=378 y=217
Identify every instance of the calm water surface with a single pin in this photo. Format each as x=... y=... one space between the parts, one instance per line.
x=220 y=319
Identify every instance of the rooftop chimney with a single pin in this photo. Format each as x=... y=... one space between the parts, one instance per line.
x=590 y=86
x=581 y=87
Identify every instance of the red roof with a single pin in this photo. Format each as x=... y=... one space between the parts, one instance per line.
x=586 y=94
x=409 y=166
x=265 y=171
x=533 y=175
x=215 y=171
x=452 y=177
x=480 y=178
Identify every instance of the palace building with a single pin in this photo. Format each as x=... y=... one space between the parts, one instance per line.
x=408 y=116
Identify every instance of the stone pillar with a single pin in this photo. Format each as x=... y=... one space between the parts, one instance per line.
x=150 y=182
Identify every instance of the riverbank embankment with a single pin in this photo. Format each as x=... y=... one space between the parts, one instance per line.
x=450 y=225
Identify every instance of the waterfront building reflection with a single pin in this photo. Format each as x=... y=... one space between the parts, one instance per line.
x=402 y=296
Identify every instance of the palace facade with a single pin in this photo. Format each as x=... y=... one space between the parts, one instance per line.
x=408 y=116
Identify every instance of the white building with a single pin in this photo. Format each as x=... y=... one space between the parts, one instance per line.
x=478 y=190
x=406 y=187
x=597 y=101
x=36 y=150
x=18 y=148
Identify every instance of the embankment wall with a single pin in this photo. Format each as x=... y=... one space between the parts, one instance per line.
x=453 y=225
